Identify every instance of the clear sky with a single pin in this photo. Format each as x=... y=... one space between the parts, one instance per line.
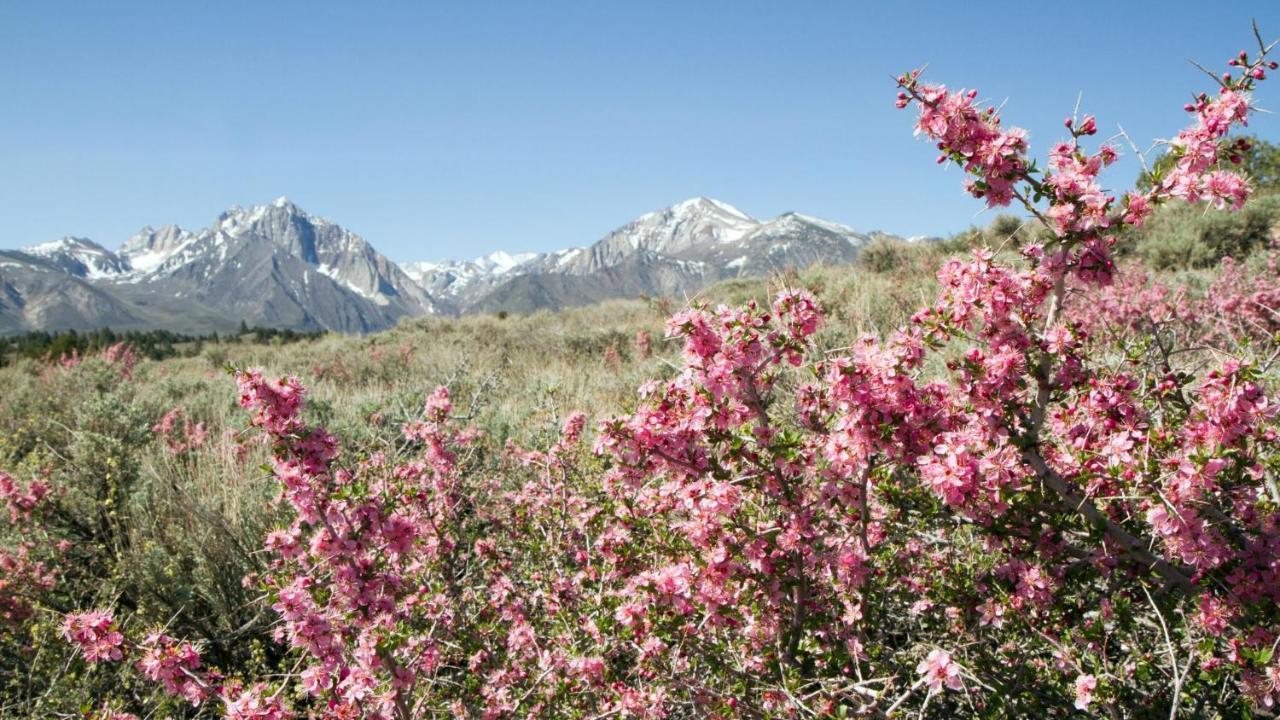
x=449 y=130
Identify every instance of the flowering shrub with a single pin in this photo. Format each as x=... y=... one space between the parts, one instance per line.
x=1010 y=505
x=120 y=356
x=179 y=433
x=94 y=513
x=23 y=574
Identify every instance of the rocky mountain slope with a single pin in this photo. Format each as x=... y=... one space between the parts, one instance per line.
x=271 y=265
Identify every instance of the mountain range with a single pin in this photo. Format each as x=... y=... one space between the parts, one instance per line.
x=276 y=265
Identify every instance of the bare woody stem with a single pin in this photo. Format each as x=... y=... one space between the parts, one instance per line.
x=1134 y=548
x=1072 y=501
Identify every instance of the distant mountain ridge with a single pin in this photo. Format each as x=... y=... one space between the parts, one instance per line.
x=675 y=252
x=271 y=265
x=275 y=265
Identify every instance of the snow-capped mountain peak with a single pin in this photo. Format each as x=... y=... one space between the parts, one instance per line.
x=270 y=264
x=68 y=243
x=691 y=222
x=450 y=278
x=277 y=265
x=669 y=251
x=824 y=224
x=149 y=248
x=501 y=262
x=702 y=205
x=80 y=257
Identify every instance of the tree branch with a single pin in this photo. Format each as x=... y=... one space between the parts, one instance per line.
x=1134 y=548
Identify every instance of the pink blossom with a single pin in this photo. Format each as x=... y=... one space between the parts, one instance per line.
x=939 y=669
x=1085 y=685
x=254 y=704
x=95 y=634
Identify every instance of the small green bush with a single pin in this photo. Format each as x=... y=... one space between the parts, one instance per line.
x=1183 y=236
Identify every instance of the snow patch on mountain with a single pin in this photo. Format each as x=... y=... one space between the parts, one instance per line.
x=449 y=279
x=80 y=257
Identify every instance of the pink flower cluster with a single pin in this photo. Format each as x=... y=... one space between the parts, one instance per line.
x=24 y=575
x=1080 y=205
x=1198 y=150
x=120 y=356
x=1078 y=211
x=22 y=578
x=940 y=670
x=95 y=634
x=175 y=666
x=1242 y=305
x=21 y=501
x=1085 y=686
x=275 y=404
x=969 y=136
x=254 y=704
x=123 y=357
x=179 y=432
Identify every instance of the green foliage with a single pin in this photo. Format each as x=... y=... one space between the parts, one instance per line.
x=1180 y=236
x=166 y=538
x=883 y=255
x=1004 y=232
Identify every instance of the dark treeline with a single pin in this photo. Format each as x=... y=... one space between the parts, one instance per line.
x=153 y=344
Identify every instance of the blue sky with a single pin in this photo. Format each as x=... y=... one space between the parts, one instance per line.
x=452 y=130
